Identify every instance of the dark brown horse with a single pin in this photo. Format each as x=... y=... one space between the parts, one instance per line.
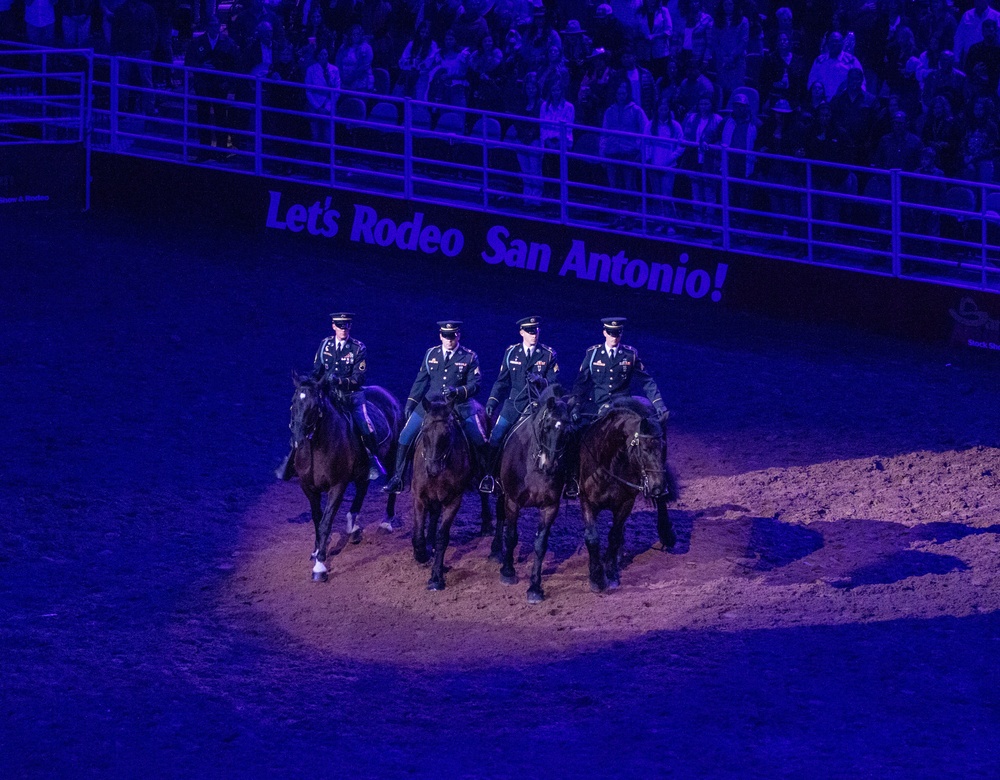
x=623 y=454
x=443 y=469
x=328 y=456
x=531 y=475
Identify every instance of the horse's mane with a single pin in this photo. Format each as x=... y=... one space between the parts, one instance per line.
x=642 y=407
x=554 y=390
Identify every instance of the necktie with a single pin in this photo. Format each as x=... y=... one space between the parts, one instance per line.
x=612 y=353
x=340 y=348
x=447 y=356
x=527 y=354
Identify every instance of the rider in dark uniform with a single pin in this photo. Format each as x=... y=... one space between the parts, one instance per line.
x=343 y=361
x=606 y=375
x=452 y=372
x=512 y=391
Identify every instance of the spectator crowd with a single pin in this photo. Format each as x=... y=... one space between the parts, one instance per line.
x=889 y=84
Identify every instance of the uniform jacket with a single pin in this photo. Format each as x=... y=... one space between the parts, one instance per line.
x=461 y=372
x=512 y=384
x=601 y=379
x=351 y=364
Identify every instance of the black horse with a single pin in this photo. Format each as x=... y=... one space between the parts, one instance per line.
x=623 y=454
x=531 y=475
x=443 y=469
x=328 y=455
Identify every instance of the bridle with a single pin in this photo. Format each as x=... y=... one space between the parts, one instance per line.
x=553 y=453
x=441 y=460
x=633 y=455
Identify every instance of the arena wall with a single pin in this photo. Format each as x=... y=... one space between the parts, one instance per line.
x=629 y=270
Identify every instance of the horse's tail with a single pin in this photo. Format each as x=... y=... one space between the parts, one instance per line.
x=388 y=405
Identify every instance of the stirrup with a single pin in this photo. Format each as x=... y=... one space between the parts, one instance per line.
x=488 y=484
x=572 y=489
x=395 y=485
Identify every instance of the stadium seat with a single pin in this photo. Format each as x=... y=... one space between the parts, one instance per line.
x=381 y=81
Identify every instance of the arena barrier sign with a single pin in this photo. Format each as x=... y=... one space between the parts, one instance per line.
x=625 y=270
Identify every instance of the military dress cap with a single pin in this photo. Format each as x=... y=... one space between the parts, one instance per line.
x=529 y=324
x=344 y=317
x=613 y=324
x=449 y=327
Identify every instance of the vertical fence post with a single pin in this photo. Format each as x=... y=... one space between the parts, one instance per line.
x=114 y=104
x=563 y=174
x=408 y=148
x=44 y=94
x=725 y=197
x=983 y=235
x=486 y=163
x=642 y=172
x=897 y=222
x=258 y=141
x=186 y=117
x=809 y=212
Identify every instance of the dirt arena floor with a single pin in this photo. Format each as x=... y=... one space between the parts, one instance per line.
x=832 y=608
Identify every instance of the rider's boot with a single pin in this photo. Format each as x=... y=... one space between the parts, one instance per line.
x=488 y=483
x=286 y=470
x=376 y=469
x=395 y=485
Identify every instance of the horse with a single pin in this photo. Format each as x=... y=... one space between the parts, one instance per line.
x=443 y=469
x=531 y=475
x=622 y=454
x=328 y=455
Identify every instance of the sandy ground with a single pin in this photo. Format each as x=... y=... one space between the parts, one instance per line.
x=832 y=607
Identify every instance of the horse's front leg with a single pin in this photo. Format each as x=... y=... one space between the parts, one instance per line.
x=597 y=579
x=333 y=500
x=546 y=517
x=419 y=529
x=664 y=528
x=316 y=510
x=616 y=539
x=390 y=514
x=353 y=526
x=511 y=511
x=486 y=517
x=436 y=582
x=496 y=549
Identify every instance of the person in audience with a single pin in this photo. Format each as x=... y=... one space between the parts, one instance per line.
x=324 y=77
x=354 y=62
x=419 y=59
x=728 y=41
x=663 y=153
x=831 y=67
x=970 y=28
x=622 y=149
x=703 y=128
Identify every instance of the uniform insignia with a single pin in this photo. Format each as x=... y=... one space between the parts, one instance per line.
x=476 y=372
x=599 y=363
x=362 y=365
x=515 y=362
x=433 y=360
x=626 y=362
x=539 y=362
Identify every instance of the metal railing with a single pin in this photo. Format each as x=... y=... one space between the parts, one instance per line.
x=890 y=223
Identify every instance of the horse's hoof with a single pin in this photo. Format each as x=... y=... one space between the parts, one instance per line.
x=486 y=530
x=435 y=585
x=320 y=576
x=597 y=587
x=668 y=542
x=495 y=556
x=387 y=526
x=421 y=558
x=355 y=536
x=614 y=584
x=508 y=579
x=535 y=596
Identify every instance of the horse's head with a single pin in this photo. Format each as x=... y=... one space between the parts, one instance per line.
x=308 y=404
x=439 y=431
x=646 y=445
x=552 y=429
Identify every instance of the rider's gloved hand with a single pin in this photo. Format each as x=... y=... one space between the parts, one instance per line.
x=450 y=393
x=408 y=409
x=490 y=408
